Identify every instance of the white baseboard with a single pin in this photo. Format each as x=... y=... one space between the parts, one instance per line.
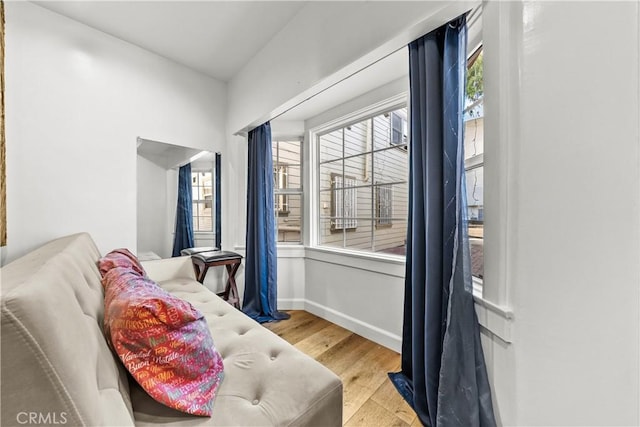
x=381 y=336
x=291 y=304
x=373 y=333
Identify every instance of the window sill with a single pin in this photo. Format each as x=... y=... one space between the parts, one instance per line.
x=285 y=250
x=390 y=265
x=496 y=319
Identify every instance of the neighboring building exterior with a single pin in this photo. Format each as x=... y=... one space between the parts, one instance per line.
x=363 y=184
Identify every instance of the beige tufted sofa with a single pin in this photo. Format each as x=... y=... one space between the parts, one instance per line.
x=58 y=370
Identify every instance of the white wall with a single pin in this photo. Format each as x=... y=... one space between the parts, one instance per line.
x=153 y=233
x=563 y=79
x=565 y=113
x=308 y=55
x=324 y=43
x=562 y=288
x=76 y=99
x=362 y=295
x=358 y=293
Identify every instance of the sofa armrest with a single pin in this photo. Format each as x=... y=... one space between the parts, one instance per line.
x=169 y=268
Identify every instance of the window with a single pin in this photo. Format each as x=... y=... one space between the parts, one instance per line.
x=362 y=184
x=474 y=161
x=344 y=203
x=202 y=194
x=384 y=204
x=287 y=188
x=280 y=174
x=398 y=128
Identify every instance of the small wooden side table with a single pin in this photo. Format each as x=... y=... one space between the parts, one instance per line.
x=231 y=260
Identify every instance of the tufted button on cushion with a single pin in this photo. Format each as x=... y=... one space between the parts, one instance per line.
x=256 y=390
x=60 y=283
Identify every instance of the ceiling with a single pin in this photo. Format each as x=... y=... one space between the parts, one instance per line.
x=375 y=75
x=216 y=38
x=169 y=156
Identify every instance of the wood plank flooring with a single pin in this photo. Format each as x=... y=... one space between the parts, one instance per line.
x=369 y=397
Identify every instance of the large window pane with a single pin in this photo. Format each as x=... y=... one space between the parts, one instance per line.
x=390 y=165
x=356 y=139
x=365 y=202
x=401 y=200
x=205 y=179
x=290 y=226
x=327 y=172
x=360 y=238
x=344 y=204
x=363 y=185
x=393 y=239
x=359 y=169
x=196 y=193
x=205 y=223
x=330 y=146
x=202 y=194
x=381 y=131
x=287 y=180
x=325 y=203
x=288 y=152
x=294 y=179
x=473 y=137
x=328 y=236
x=202 y=217
x=474 y=159
x=475 y=192
x=475 y=213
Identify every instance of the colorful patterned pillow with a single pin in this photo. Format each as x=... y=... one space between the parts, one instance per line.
x=163 y=341
x=120 y=258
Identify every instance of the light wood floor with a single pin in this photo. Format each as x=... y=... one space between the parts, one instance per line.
x=369 y=397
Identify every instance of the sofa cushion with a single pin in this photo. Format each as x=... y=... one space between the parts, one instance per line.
x=267 y=380
x=163 y=341
x=55 y=359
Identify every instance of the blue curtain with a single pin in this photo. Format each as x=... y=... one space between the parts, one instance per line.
x=443 y=373
x=261 y=264
x=183 y=237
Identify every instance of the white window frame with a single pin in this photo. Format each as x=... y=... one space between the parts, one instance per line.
x=501 y=128
x=398 y=101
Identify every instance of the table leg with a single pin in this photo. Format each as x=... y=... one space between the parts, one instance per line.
x=231 y=290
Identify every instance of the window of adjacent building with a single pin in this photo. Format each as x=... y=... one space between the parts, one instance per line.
x=384 y=204
x=287 y=187
x=202 y=194
x=474 y=160
x=398 y=128
x=362 y=184
x=344 y=203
